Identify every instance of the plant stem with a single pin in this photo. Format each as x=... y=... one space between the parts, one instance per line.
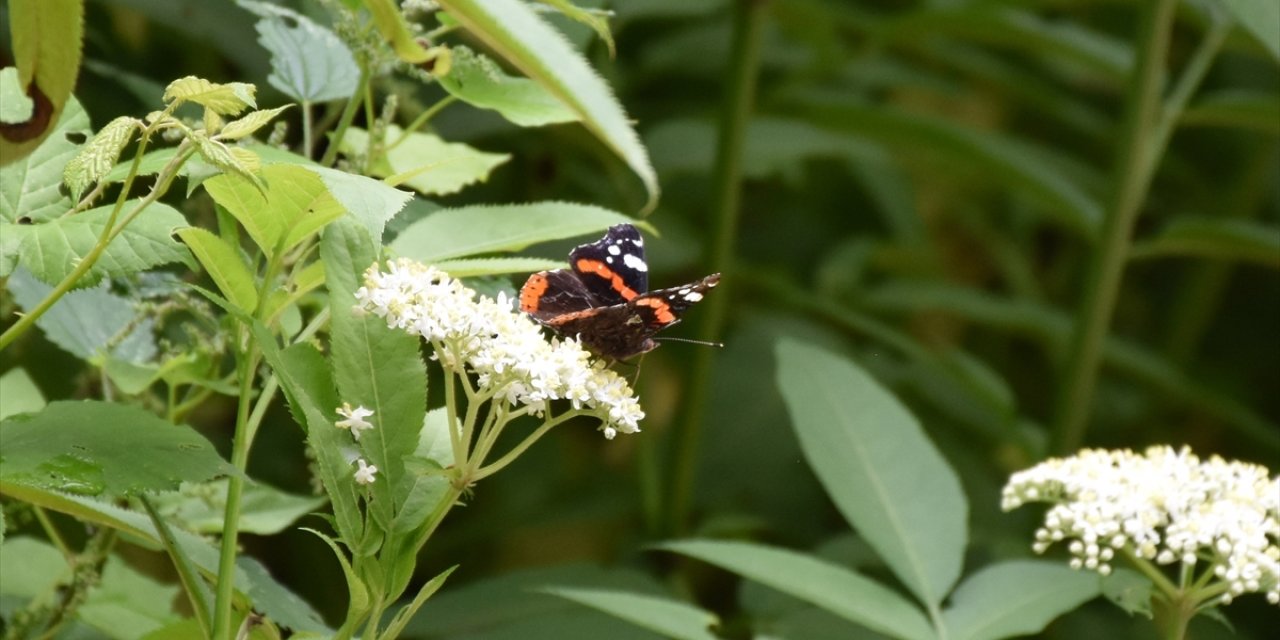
x=422 y=119
x=348 y=115
x=306 y=129
x=222 y=628
x=1135 y=165
x=748 y=28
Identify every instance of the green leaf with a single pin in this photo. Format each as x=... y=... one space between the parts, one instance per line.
x=250 y=123
x=1043 y=175
x=878 y=466
x=32 y=567
x=480 y=82
x=817 y=581
x=670 y=618
x=224 y=264
x=46 y=42
x=95 y=159
x=520 y=36
x=226 y=99
x=407 y=612
x=374 y=366
x=235 y=160
x=264 y=510
x=294 y=205
x=357 y=592
x=1254 y=110
x=481 y=229
x=372 y=202
x=127 y=604
x=1129 y=590
x=424 y=161
x=86 y=322
x=15 y=106
x=52 y=250
x=29 y=188
x=1261 y=18
x=1215 y=238
x=308 y=62
x=93 y=448
x=1016 y=598
x=19 y=393
x=773 y=146
x=265 y=594
x=472 y=267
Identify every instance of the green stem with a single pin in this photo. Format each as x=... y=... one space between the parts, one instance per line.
x=222 y=628
x=306 y=130
x=52 y=532
x=422 y=119
x=1135 y=165
x=344 y=122
x=515 y=452
x=748 y=29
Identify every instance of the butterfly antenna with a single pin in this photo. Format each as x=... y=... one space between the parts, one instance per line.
x=701 y=342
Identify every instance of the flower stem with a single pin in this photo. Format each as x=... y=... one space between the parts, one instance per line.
x=1135 y=165
x=748 y=30
x=222 y=628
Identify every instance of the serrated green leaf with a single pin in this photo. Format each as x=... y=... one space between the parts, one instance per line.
x=426 y=162
x=357 y=593
x=96 y=159
x=229 y=159
x=472 y=267
x=87 y=321
x=479 y=81
x=833 y=588
x=596 y=22
x=1261 y=18
x=94 y=448
x=308 y=62
x=374 y=366
x=481 y=229
x=224 y=264
x=295 y=204
x=46 y=46
x=1217 y=238
x=671 y=618
x=226 y=99
x=19 y=393
x=52 y=250
x=250 y=123
x=30 y=187
x=1016 y=598
x=884 y=475
x=522 y=38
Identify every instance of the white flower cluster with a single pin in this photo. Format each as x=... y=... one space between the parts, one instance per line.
x=506 y=350
x=1164 y=505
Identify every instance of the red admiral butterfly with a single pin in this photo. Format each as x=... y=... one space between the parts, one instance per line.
x=604 y=300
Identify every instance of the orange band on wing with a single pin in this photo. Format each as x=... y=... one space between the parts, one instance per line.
x=601 y=269
x=531 y=292
x=661 y=310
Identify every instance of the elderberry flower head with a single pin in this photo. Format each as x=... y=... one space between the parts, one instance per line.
x=505 y=350
x=1164 y=506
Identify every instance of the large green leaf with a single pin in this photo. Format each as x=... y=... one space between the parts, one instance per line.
x=52 y=250
x=1220 y=238
x=878 y=466
x=817 y=581
x=1016 y=598
x=520 y=36
x=29 y=188
x=93 y=448
x=1255 y=110
x=45 y=38
x=127 y=604
x=374 y=366
x=19 y=393
x=773 y=146
x=308 y=62
x=224 y=264
x=482 y=229
x=668 y=617
x=425 y=161
x=264 y=510
x=471 y=267
x=87 y=321
x=295 y=204
x=478 y=81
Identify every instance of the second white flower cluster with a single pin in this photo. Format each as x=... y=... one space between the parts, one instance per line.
x=507 y=352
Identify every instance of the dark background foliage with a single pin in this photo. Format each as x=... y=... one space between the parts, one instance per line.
x=900 y=203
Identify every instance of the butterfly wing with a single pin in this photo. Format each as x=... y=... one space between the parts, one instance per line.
x=548 y=294
x=613 y=268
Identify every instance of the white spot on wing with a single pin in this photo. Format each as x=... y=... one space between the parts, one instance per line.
x=614 y=250
x=693 y=296
x=634 y=262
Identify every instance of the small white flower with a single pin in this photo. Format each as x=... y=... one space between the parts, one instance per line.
x=505 y=350
x=354 y=419
x=364 y=475
x=1163 y=505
